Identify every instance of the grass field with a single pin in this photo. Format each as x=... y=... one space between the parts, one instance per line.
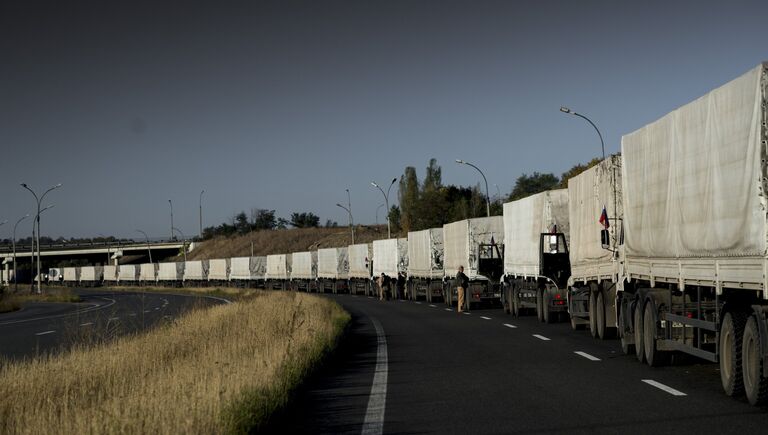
x=224 y=369
x=10 y=301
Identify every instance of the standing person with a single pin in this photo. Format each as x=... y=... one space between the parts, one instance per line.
x=401 y=286
x=462 y=283
x=382 y=281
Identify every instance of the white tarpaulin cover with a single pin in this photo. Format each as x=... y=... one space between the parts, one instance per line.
x=126 y=272
x=110 y=273
x=218 y=269
x=147 y=272
x=588 y=192
x=170 y=271
x=390 y=257
x=90 y=273
x=693 y=179
x=425 y=253
x=70 y=273
x=524 y=222
x=304 y=265
x=278 y=266
x=359 y=256
x=259 y=267
x=462 y=240
x=195 y=270
x=332 y=263
x=240 y=268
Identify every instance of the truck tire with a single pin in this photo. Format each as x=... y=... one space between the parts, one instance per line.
x=638 y=325
x=593 y=313
x=626 y=346
x=507 y=300
x=549 y=317
x=755 y=385
x=602 y=332
x=515 y=302
x=731 y=339
x=539 y=303
x=653 y=356
x=448 y=296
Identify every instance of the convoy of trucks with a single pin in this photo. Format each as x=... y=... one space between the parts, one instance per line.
x=664 y=246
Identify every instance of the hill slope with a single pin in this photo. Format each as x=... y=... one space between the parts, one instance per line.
x=283 y=241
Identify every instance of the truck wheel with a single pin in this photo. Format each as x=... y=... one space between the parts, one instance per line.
x=507 y=304
x=549 y=316
x=755 y=385
x=731 y=339
x=592 y=314
x=600 y=316
x=653 y=356
x=575 y=324
x=638 y=325
x=515 y=303
x=539 y=304
x=626 y=347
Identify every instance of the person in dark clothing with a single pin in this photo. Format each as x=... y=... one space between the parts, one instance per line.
x=401 y=285
x=462 y=284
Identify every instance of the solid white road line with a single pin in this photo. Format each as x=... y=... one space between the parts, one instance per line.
x=510 y=326
x=93 y=307
x=45 y=332
x=377 y=400
x=86 y=324
x=485 y=318
x=663 y=387
x=587 y=356
x=432 y=306
x=541 y=337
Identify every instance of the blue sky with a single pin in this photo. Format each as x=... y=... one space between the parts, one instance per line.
x=283 y=105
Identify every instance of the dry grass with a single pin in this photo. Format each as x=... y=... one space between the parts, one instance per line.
x=223 y=369
x=283 y=241
x=13 y=301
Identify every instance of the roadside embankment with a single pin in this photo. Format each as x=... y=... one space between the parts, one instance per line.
x=220 y=369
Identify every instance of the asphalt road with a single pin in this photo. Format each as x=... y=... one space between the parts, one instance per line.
x=42 y=328
x=487 y=372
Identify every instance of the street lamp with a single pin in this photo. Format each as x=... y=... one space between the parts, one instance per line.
x=386 y=202
x=32 y=253
x=201 y=213
x=170 y=203
x=349 y=212
x=1 y=276
x=184 y=241
x=377 y=213
x=15 y=276
x=148 y=248
x=37 y=219
x=487 y=196
x=569 y=111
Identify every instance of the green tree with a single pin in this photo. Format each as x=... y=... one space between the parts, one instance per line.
x=527 y=185
x=434 y=178
x=576 y=170
x=408 y=194
x=263 y=219
x=241 y=223
x=304 y=220
x=395 y=219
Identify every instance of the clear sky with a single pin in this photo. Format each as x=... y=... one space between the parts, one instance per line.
x=284 y=104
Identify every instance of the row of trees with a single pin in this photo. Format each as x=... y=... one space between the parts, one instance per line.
x=264 y=219
x=430 y=204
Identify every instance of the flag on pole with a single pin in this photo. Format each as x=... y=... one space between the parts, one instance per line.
x=604 y=218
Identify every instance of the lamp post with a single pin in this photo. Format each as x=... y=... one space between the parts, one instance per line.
x=170 y=203
x=487 y=196
x=377 y=213
x=37 y=220
x=570 y=112
x=148 y=248
x=386 y=202
x=32 y=253
x=1 y=280
x=15 y=276
x=349 y=212
x=201 y=213
x=184 y=241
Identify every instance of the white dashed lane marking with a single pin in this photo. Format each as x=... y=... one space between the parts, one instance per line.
x=586 y=355
x=467 y=313
x=663 y=387
x=45 y=332
x=432 y=306
x=541 y=337
x=86 y=324
x=485 y=318
x=449 y=309
x=418 y=303
x=510 y=326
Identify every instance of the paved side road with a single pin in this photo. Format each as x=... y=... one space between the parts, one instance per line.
x=47 y=327
x=487 y=372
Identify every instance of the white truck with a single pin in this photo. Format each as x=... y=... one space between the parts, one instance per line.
x=170 y=273
x=360 y=263
x=425 y=264
x=536 y=264
x=70 y=275
x=303 y=270
x=594 y=246
x=332 y=269
x=695 y=254
x=248 y=271
x=218 y=271
x=278 y=271
x=110 y=274
x=391 y=260
x=195 y=272
x=127 y=274
x=90 y=276
x=147 y=273
x=475 y=244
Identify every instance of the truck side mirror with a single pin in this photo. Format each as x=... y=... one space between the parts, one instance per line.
x=605 y=239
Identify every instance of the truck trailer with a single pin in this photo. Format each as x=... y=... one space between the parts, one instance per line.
x=425 y=264
x=536 y=265
x=332 y=269
x=477 y=245
x=278 y=271
x=391 y=261
x=303 y=270
x=360 y=262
